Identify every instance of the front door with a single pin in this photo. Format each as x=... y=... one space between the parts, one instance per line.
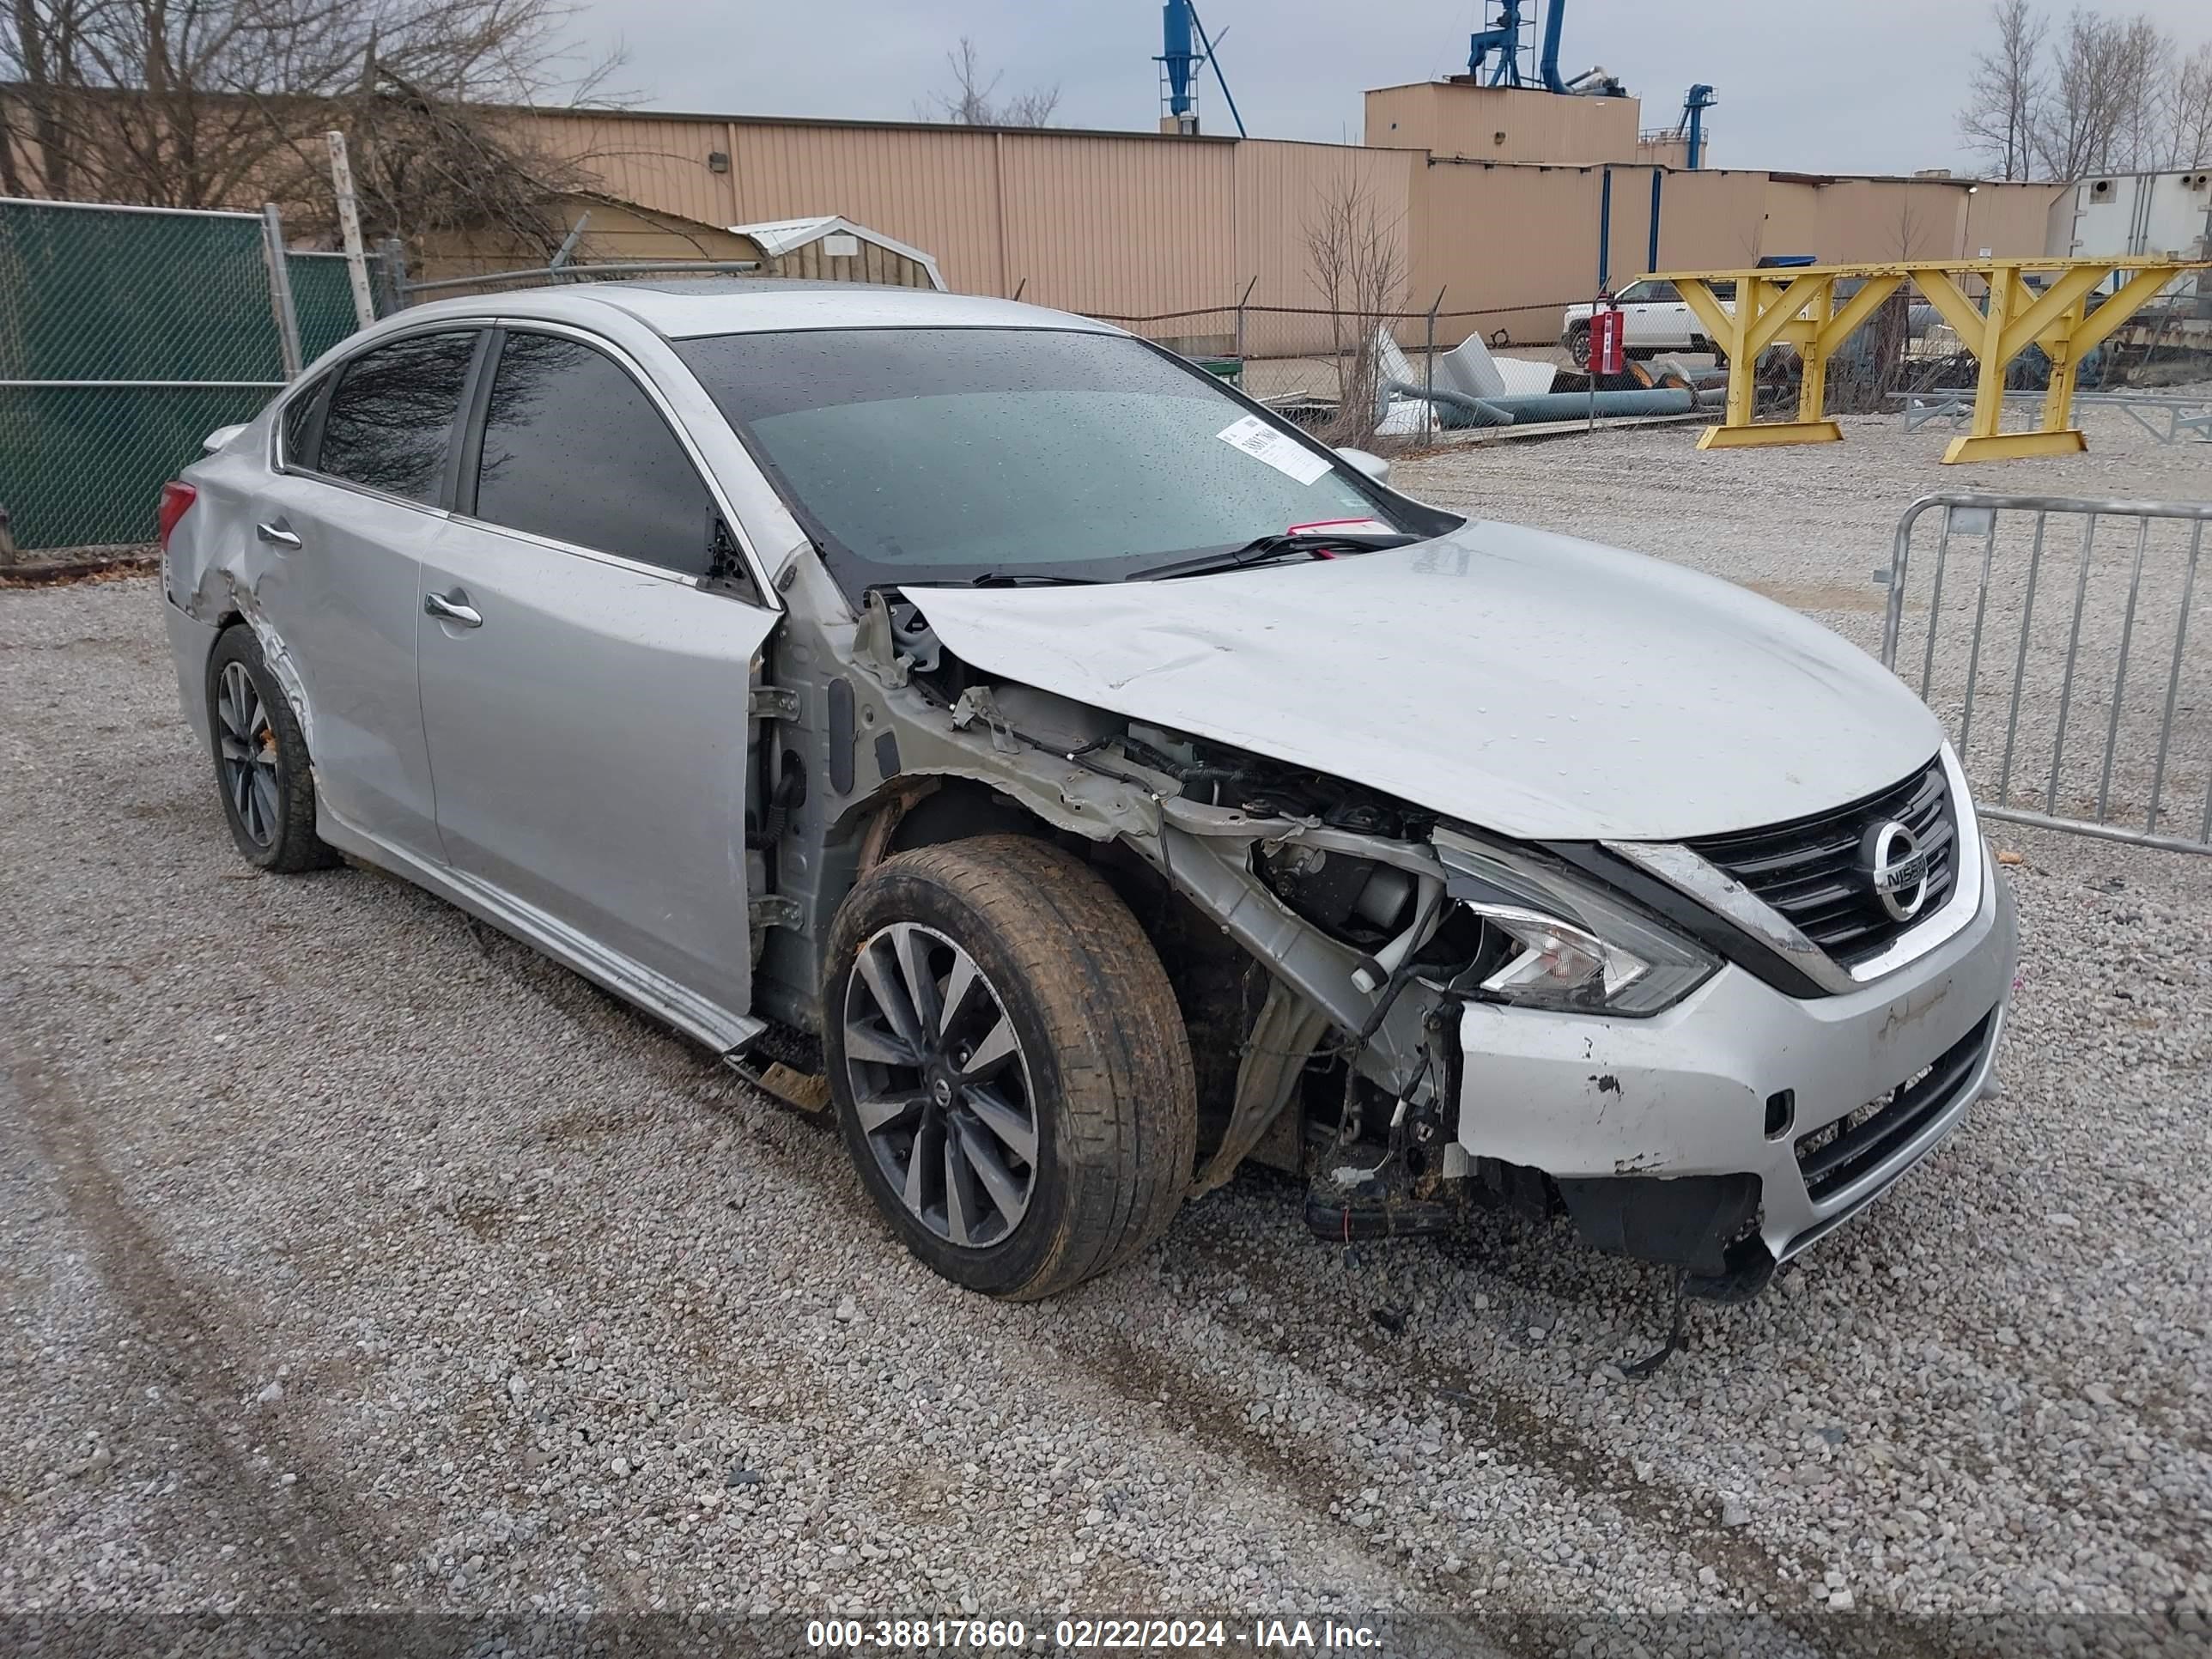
x=584 y=698
x=1660 y=321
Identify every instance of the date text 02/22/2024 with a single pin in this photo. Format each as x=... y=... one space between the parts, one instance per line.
x=1089 y=1635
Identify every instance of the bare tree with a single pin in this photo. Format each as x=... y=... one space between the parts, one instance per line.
x=1909 y=227
x=972 y=100
x=2141 y=134
x=2192 y=109
x=197 y=103
x=2106 y=88
x=2004 y=95
x=427 y=168
x=40 y=54
x=1357 y=264
x=2112 y=93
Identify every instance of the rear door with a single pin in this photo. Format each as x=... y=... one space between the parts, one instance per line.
x=363 y=462
x=1662 y=322
x=586 y=651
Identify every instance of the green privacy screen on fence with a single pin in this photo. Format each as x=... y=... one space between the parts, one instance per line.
x=126 y=336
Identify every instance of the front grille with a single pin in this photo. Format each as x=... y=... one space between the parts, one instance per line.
x=1833 y=1155
x=1813 y=870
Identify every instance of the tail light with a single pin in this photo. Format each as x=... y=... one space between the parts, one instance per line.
x=176 y=498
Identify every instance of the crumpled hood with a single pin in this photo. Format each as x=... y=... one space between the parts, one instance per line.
x=1530 y=683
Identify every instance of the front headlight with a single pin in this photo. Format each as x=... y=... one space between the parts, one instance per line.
x=1565 y=944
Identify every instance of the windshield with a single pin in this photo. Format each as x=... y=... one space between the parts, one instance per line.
x=935 y=455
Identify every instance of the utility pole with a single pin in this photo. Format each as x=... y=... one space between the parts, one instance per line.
x=349 y=227
x=280 y=290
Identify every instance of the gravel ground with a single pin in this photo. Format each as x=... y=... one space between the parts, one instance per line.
x=354 y=1260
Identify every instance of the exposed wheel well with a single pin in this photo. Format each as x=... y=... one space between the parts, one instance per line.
x=1217 y=986
x=959 y=809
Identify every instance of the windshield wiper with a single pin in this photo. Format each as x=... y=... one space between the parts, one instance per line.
x=1026 y=579
x=998 y=579
x=1264 y=548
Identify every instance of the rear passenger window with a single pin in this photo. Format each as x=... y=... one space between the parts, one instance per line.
x=573 y=450
x=298 y=424
x=391 y=415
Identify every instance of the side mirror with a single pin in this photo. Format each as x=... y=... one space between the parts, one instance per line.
x=220 y=436
x=1365 y=461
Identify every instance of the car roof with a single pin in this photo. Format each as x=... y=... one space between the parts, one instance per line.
x=685 y=309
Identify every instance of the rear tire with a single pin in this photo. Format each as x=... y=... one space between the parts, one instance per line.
x=1579 y=346
x=262 y=769
x=1073 y=1152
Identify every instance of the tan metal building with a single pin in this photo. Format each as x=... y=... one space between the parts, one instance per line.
x=1513 y=124
x=1141 y=225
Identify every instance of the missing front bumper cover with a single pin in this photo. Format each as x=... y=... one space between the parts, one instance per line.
x=1705 y=1224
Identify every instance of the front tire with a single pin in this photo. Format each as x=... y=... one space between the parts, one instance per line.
x=1012 y=1077
x=261 y=764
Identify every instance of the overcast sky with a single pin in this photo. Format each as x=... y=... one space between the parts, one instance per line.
x=1844 y=86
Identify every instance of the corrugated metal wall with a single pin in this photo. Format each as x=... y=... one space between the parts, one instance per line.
x=1717 y=219
x=1477 y=230
x=1102 y=224
x=935 y=190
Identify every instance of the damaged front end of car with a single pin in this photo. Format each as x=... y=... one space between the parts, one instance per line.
x=1326 y=942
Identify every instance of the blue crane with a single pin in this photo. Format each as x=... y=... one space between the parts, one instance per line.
x=1694 y=106
x=1186 y=50
x=1502 y=37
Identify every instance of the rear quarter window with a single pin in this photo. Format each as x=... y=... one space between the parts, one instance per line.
x=295 y=447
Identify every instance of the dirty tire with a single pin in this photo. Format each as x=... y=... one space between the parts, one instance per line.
x=1116 y=1103
x=293 y=846
x=1579 y=346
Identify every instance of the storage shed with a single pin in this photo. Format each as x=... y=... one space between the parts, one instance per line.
x=836 y=250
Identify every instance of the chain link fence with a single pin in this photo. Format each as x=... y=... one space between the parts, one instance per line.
x=1380 y=379
x=126 y=336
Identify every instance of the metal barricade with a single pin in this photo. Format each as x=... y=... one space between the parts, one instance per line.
x=2077 y=614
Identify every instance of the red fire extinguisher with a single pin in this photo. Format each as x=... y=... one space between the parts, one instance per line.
x=1607 y=337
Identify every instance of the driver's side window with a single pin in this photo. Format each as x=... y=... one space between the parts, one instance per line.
x=573 y=450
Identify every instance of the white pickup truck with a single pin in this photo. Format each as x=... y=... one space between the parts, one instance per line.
x=1657 y=318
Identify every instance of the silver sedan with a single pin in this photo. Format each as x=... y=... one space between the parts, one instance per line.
x=1089 y=782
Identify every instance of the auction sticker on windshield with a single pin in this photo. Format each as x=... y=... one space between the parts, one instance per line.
x=1263 y=443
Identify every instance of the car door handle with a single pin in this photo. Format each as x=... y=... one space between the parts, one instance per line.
x=452 y=607
x=278 y=534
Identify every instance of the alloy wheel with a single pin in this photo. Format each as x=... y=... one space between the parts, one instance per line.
x=248 y=746
x=940 y=1084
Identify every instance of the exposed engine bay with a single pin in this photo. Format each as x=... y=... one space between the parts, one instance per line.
x=1328 y=1050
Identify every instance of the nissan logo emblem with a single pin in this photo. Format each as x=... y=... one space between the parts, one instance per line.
x=1900 y=870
